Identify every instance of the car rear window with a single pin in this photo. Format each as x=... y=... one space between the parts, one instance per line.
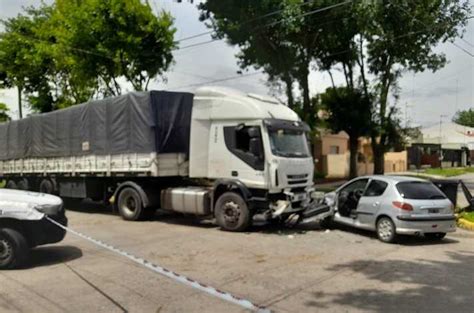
x=419 y=190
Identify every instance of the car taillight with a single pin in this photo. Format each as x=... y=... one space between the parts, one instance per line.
x=402 y=205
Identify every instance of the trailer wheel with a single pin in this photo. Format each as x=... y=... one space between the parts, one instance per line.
x=14 y=249
x=130 y=204
x=23 y=184
x=232 y=212
x=11 y=185
x=46 y=186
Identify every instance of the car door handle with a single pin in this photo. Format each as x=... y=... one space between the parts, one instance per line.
x=376 y=203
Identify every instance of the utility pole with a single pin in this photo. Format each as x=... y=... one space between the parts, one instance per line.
x=20 y=106
x=407 y=106
x=440 y=142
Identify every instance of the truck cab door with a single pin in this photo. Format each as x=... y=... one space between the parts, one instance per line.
x=370 y=202
x=246 y=159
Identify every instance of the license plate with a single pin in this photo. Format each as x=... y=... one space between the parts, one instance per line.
x=433 y=211
x=299 y=197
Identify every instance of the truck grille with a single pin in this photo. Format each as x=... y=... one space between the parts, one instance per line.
x=297 y=179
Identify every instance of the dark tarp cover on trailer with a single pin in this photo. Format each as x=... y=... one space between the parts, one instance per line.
x=138 y=122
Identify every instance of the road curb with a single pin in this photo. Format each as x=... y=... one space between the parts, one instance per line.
x=465 y=224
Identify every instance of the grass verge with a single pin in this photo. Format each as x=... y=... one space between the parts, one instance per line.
x=448 y=172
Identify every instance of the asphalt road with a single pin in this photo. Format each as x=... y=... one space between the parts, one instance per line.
x=301 y=270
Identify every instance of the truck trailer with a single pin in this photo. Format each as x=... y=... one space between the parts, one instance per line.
x=215 y=153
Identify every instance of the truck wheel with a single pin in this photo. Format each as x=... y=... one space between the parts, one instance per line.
x=11 y=185
x=386 y=230
x=232 y=212
x=130 y=204
x=23 y=184
x=14 y=249
x=46 y=186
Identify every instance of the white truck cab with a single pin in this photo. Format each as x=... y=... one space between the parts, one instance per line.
x=255 y=143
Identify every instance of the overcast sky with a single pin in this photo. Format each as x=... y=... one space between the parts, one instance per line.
x=427 y=96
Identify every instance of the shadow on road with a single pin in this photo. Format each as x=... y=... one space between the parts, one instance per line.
x=51 y=255
x=402 y=240
x=433 y=285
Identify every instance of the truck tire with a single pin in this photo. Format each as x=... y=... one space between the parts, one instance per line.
x=46 y=186
x=232 y=212
x=130 y=204
x=11 y=185
x=14 y=249
x=23 y=184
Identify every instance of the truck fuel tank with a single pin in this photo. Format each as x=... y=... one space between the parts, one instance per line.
x=191 y=200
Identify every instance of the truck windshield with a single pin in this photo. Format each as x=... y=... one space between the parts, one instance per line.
x=289 y=143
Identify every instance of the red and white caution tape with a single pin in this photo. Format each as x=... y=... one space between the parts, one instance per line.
x=170 y=274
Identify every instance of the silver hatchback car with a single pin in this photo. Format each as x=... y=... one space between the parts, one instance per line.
x=393 y=205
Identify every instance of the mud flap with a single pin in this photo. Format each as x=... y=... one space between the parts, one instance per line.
x=468 y=195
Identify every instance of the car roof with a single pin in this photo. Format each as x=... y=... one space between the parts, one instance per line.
x=394 y=178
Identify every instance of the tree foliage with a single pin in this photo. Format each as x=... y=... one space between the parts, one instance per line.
x=465 y=118
x=72 y=51
x=277 y=36
x=371 y=42
x=4 y=112
x=348 y=110
x=396 y=36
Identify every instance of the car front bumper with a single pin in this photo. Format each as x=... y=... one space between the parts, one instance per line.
x=414 y=225
x=44 y=232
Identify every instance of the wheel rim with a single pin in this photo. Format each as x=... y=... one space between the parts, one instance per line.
x=129 y=204
x=385 y=229
x=6 y=249
x=231 y=213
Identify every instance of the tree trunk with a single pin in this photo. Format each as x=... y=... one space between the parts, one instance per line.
x=289 y=92
x=379 y=157
x=354 y=149
x=306 y=96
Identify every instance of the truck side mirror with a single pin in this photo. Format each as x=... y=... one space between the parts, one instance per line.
x=254 y=132
x=256 y=148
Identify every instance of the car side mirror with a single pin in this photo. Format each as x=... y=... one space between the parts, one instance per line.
x=256 y=148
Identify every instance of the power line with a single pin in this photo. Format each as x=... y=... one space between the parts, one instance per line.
x=423 y=23
x=467 y=42
x=243 y=23
x=273 y=23
x=218 y=80
x=244 y=75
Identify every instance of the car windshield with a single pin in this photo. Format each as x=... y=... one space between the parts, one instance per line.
x=419 y=191
x=289 y=143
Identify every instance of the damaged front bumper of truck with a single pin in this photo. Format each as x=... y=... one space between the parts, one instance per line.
x=294 y=206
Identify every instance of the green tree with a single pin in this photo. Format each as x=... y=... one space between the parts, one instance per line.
x=348 y=110
x=22 y=63
x=282 y=37
x=109 y=39
x=396 y=36
x=4 y=112
x=71 y=51
x=465 y=118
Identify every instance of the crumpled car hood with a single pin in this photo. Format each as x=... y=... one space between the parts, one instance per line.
x=24 y=205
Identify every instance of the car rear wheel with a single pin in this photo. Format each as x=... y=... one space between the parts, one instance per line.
x=435 y=236
x=13 y=249
x=232 y=212
x=386 y=231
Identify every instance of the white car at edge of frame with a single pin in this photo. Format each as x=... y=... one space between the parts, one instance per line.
x=393 y=205
x=23 y=224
